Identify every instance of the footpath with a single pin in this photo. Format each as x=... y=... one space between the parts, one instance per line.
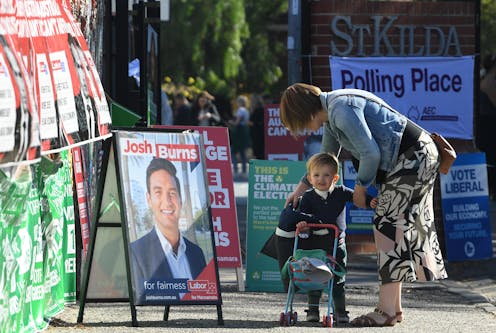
x=465 y=302
x=447 y=306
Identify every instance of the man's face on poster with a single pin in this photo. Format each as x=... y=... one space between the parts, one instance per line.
x=164 y=200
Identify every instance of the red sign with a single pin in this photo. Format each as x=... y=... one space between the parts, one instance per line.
x=81 y=197
x=222 y=201
x=280 y=144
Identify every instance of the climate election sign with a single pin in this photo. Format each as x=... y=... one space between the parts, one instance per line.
x=270 y=184
x=435 y=92
x=465 y=202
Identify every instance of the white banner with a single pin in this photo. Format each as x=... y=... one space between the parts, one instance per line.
x=435 y=92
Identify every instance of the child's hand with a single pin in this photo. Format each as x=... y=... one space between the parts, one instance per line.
x=373 y=203
x=302 y=225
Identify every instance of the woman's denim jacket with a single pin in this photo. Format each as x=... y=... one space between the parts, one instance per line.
x=366 y=126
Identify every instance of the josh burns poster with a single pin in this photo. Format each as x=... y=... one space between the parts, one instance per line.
x=166 y=203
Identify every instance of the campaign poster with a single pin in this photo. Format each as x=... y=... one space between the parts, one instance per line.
x=270 y=183
x=437 y=93
x=71 y=104
x=280 y=144
x=221 y=190
x=167 y=217
x=19 y=136
x=465 y=202
x=358 y=220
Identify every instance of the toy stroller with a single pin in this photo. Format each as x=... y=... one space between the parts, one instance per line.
x=310 y=270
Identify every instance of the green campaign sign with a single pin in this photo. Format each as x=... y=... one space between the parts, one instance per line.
x=37 y=214
x=270 y=183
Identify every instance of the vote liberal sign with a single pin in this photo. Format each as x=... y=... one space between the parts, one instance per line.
x=465 y=203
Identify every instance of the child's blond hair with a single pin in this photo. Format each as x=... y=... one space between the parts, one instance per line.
x=321 y=159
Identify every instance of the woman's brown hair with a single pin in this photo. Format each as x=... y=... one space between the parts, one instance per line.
x=299 y=103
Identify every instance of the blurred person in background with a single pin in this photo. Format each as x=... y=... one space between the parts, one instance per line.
x=183 y=115
x=257 y=126
x=240 y=135
x=166 y=114
x=204 y=110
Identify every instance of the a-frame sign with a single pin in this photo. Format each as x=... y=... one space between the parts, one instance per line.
x=154 y=214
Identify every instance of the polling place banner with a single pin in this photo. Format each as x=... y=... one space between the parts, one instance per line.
x=437 y=93
x=269 y=185
x=465 y=202
x=281 y=145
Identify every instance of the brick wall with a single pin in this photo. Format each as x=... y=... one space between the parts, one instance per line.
x=440 y=14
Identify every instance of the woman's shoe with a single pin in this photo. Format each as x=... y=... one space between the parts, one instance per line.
x=369 y=321
x=399 y=317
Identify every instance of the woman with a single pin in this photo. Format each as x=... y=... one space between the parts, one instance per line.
x=204 y=111
x=240 y=135
x=385 y=143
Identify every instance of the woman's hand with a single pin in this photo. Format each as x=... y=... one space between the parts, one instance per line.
x=373 y=203
x=295 y=196
x=360 y=196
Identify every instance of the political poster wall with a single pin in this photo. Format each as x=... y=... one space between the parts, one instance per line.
x=281 y=145
x=51 y=89
x=37 y=242
x=270 y=183
x=167 y=218
x=465 y=203
x=221 y=193
x=19 y=136
x=437 y=93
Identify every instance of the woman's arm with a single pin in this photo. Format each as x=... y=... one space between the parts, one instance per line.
x=294 y=197
x=360 y=196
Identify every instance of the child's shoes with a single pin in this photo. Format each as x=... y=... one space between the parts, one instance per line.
x=342 y=318
x=313 y=314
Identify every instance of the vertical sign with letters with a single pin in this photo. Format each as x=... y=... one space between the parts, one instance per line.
x=465 y=202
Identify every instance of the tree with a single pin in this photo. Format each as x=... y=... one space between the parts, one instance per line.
x=488 y=27
x=264 y=53
x=227 y=46
x=203 y=40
